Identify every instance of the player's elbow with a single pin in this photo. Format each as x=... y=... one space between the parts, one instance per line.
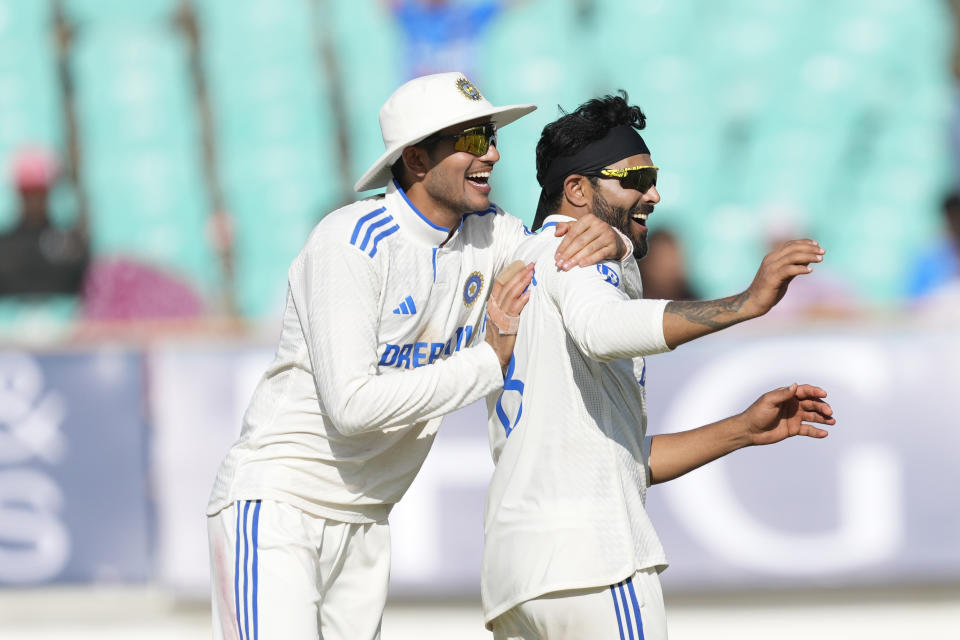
x=347 y=424
x=351 y=414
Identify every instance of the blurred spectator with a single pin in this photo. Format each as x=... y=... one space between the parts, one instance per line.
x=940 y=263
x=664 y=269
x=35 y=256
x=442 y=35
x=125 y=289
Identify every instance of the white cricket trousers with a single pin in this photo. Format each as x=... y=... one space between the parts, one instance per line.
x=629 y=610
x=278 y=573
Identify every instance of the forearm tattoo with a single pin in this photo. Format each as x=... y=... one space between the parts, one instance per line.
x=707 y=312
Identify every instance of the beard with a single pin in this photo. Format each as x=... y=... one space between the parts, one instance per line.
x=620 y=219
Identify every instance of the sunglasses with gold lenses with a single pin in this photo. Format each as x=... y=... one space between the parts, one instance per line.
x=475 y=140
x=639 y=178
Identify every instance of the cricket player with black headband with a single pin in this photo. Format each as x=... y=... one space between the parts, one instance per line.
x=383 y=333
x=570 y=552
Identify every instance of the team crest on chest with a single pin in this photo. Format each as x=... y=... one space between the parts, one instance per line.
x=472 y=288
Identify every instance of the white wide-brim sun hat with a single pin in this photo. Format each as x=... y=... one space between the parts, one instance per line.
x=424 y=106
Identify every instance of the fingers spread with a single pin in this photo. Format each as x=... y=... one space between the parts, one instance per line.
x=812 y=432
x=813 y=416
x=805 y=391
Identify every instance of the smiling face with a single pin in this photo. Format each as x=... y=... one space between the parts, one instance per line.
x=626 y=209
x=455 y=183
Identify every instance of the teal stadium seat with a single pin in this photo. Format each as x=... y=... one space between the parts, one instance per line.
x=548 y=73
x=40 y=319
x=24 y=17
x=761 y=107
x=143 y=167
x=101 y=12
x=277 y=150
x=368 y=49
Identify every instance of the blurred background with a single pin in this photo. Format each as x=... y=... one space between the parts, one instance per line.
x=162 y=162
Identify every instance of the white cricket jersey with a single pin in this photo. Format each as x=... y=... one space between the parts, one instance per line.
x=565 y=508
x=382 y=335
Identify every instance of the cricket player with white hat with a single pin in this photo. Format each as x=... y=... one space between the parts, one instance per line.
x=383 y=333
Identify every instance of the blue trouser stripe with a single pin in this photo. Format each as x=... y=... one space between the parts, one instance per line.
x=636 y=609
x=256 y=528
x=236 y=570
x=616 y=607
x=623 y=599
x=246 y=563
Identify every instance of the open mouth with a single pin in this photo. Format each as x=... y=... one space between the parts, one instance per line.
x=479 y=179
x=641 y=217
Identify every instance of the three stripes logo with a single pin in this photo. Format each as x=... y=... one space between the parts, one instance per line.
x=406 y=308
x=371 y=229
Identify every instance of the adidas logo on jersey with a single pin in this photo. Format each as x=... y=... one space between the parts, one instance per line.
x=406 y=308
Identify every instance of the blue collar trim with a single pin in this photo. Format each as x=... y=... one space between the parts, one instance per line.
x=417 y=211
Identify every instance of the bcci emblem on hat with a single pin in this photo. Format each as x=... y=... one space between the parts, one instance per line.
x=467 y=89
x=472 y=288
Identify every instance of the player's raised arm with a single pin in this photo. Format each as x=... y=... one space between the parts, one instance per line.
x=774 y=416
x=684 y=321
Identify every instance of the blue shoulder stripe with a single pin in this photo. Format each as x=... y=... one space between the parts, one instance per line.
x=549 y=224
x=383 y=234
x=370 y=229
x=361 y=221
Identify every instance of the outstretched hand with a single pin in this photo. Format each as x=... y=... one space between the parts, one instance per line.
x=786 y=412
x=509 y=296
x=778 y=268
x=586 y=241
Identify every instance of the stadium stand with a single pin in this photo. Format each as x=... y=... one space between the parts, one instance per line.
x=30 y=91
x=757 y=110
x=274 y=135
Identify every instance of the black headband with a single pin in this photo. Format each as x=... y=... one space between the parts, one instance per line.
x=620 y=142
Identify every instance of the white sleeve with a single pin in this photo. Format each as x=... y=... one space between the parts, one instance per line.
x=338 y=304
x=601 y=318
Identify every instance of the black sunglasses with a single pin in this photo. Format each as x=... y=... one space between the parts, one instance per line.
x=639 y=178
